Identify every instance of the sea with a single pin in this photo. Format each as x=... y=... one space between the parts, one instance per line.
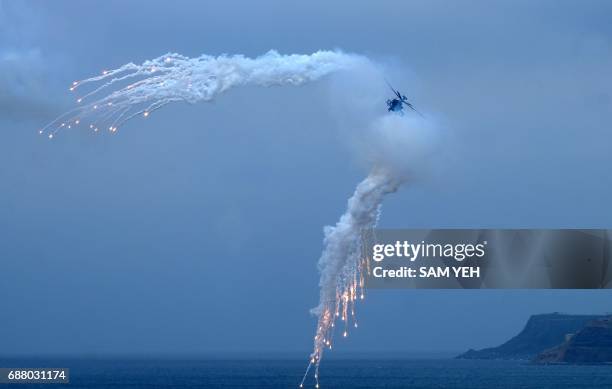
x=334 y=373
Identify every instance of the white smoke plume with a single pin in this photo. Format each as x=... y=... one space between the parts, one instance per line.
x=342 y=242
x=138 y=90
x=394 y=146
x=341 y=264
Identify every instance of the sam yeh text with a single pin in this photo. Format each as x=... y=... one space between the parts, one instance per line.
x=428 y=272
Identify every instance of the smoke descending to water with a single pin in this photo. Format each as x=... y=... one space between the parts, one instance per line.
x=340 y=257
x=393 y=145
x=342 y=266
x=396 y=149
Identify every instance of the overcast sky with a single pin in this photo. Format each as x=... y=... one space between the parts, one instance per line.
x=199 y=230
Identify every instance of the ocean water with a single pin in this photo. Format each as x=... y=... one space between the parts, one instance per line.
x=345 y=373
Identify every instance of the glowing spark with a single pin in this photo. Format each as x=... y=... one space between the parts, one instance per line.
x=50 y=136
x=120 y=94
x=342 y=262
x=132 y=90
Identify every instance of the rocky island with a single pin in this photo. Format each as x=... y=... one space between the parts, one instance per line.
x=556 y=338
x=591 y=344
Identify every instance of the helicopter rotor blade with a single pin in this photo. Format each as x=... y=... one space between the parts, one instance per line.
x=402 y=99
x=412 y=108
x=390 y=87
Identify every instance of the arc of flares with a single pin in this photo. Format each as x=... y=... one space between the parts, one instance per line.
x=132 y=90
x=119 y=95
x=140 y=97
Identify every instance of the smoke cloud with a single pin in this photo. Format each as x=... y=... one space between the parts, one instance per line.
x=393 y=146
x=339 y=260
x=134 y=90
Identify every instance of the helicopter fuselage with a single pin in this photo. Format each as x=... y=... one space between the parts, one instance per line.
x=394 y=105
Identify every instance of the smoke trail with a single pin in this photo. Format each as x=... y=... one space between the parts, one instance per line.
x=338 y=263
x=397 y=148
x=394 y=145
x=135 y=90
x=341 y=264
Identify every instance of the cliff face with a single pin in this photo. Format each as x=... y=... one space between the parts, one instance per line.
x=591 y=344
x=542 y=332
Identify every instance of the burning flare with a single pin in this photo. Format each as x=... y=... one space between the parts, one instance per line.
x=343 y=264
x=131 y=90
x=138 y=90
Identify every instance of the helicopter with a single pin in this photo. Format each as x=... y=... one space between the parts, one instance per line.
x=397 y=104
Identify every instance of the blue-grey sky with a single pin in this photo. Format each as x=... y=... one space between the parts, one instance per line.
x=199 y=230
